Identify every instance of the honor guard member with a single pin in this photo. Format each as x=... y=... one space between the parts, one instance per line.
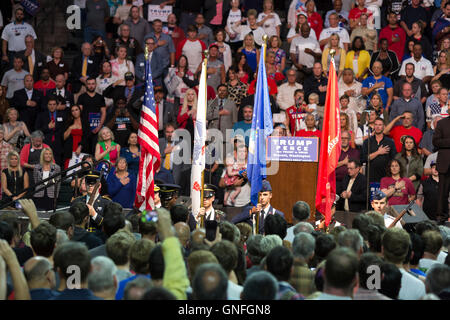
x=380 y=205
x=263 y=208
x=207 y=210
x=157 y=199
x=168 y=194
x=99 y=203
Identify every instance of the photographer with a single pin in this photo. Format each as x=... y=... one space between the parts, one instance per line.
x=121 y=122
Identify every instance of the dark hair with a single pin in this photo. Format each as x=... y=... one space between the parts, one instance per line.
x=388 y=168
x=361 y=223
x=417 y=249
x=365 y=261
x=18 y=56
x=147 y=228
x=222 y=85
x=187 y=62
x=210 y=282
x=228 y=231
x=279 y=263
x=325 y=243
x=275 y=224
x=43 y=239
x=79 y=211
x=192 y=28
x=374 y=236
x=112 y=223
x=260 y=285
x=356 y=162
x=158 y=293
x=156 y=263
x=72 y=254
x=391 y=280
x=414 y=151
x=6 y=231
x=179 y=213
x=301 y=211
x=341 y=268
x=91 y=78
x=426 y=225
x=344 y=96
x=70 y=120
x=237 y=58
x=226 y=253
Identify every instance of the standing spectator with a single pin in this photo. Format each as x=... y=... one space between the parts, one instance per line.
x=408 y=103
x=411 y=14
x=352 y=88
x=418 y=30
x=339 y=56
x=221 y=112
x=178 y=80
x=243 y=70
x=30 y=154
x=4 y=105
x=34 y=60
x=274 y=46
x=97 y=12
x=122 y=184
x=132 y=154
x=314 y=18
x=352 y=117
x=46 y=199
x=224 y=49
x=428 y=193
x=358 y=59
x=285 y=96
x=164 y=44
x=45 y=83
x=342 y=15
x=395 y=35
x=271 y=68
x=63 y=96
x=139 y=27
x=76 y=137
x=173 y=30
x=123 y=12
x=397 y=132
x=156 y=63
x=121 y=122
x=13 y=79
x=295 y=31
x=204 y=33
x=348 y=154
x=121 y=64
x=251 y=27
x=316 y=83
x=237 y=90
x=167 y=111
x=355 y=14
x=410 y=161
x=188 y=112
x=93 y=108
x=83 y=67
x=435 y=85
x=418 y=88
x=345 y=126
x=269 y=20
x=104 y=80
x=14 y=130
x=134 y=48
x=423 y=67
x=192 y=48
x=215 y=68
x=344 y=41
x=106 y=148
x=352 y=189
x=378 y=83
x=369 y=36
x=442 y=69
x=5 y=148
x=215 y=13
x=441 y=28
x=382 y=149
x=296 y=113
x=440 y=141
x=251 y=52
x=234 y=17
x=51 y=122
x=426 y=145
x=188 y=12
x=13 y=36
x=387 y=58
x=100 y=49
x=28 y=102
x=397 y=188
x=440 y=107
x=14 y=179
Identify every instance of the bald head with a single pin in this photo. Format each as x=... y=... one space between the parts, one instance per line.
x=210 y=282
x=60 y=81
x=183 y=232
x=38 y=272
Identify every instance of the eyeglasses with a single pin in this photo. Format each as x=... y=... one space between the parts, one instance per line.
x=152 y=43
x=344 y=138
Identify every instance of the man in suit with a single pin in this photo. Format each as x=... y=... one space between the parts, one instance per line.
x=441 y=140
x=352 y=190
x=156 y=63
x=64 y=97
x=207 y=210
x=51 y=122
x=83 y=67
x=28 y=102
x=166 y=111
x=132 y=93
x=262 y=209
x=221 y=113
x=34 y=60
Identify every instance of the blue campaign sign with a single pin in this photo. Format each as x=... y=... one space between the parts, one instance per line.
x=30 y=6
x=305 y=149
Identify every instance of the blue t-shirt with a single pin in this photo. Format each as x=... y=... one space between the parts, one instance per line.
x=243 y=129
x=369 y=82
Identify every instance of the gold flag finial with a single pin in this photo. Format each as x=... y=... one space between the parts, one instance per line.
x=332 y=53
x=265 y=38
x=146 y=52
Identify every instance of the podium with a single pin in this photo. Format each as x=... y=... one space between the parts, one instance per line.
x=296 y=179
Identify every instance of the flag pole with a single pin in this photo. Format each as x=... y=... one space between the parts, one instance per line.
x=202 y=218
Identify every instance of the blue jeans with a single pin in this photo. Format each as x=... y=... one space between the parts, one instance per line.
x=90 y=34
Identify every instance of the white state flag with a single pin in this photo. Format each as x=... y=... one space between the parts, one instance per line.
x=198 y=155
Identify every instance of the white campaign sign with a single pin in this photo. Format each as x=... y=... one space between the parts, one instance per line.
x=155 y=12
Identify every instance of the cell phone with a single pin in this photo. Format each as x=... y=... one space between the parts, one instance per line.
x=18 y=205
x=211 y=228
x=148 y=216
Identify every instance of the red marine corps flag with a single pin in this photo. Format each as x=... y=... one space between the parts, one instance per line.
x=330 y=148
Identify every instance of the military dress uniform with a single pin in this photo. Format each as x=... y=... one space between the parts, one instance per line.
x=209 y=190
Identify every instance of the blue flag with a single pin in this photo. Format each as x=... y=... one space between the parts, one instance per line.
x=262 y=127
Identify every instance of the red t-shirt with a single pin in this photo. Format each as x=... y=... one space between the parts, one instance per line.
x=399 y=131
x=399 y=197
x=44 y=87
x=316 y=23
x=397 y=47
x=270 y=82
x=306 y=133
x=355 y=13
x=295 y=116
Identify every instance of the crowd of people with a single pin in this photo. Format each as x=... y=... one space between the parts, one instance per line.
x=393 y=64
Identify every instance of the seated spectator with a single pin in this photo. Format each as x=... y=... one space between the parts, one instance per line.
x=397 y=132
x=76 y=137
x=106 y=148
x=358 y=59
x=14 y=179
x=340 y=275
x=156 y=63
x=69 y=254
x=339 y=56
x=398 y=189
x=121 y=64
x=121 y=184
x=396 y=243
x=132 y=154
x=353 y=188
x=427 y=195
x=46 y=199
x=432 y=246
x=131 y=44
x=14 y=131
x=423 y=67
x=387 y=58
x=45 y=83
x=57 y=65
x=410 y=161
x=441 y=69
x=104 y=80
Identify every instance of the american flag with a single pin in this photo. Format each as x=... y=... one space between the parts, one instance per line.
x=148 y=140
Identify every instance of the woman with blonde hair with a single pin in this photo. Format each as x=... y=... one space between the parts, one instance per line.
x=345 y=126
x=250 y=51
x=106 y=148
x=274 y=46
x=14 y=179
x=188 y=112
x=14 y=129
x=442 y=69
x=57 y=65
x=45 y=199
x=339 y=57
x=121 y=64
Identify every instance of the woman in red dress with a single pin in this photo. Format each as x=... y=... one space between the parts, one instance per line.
x=73 y=136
